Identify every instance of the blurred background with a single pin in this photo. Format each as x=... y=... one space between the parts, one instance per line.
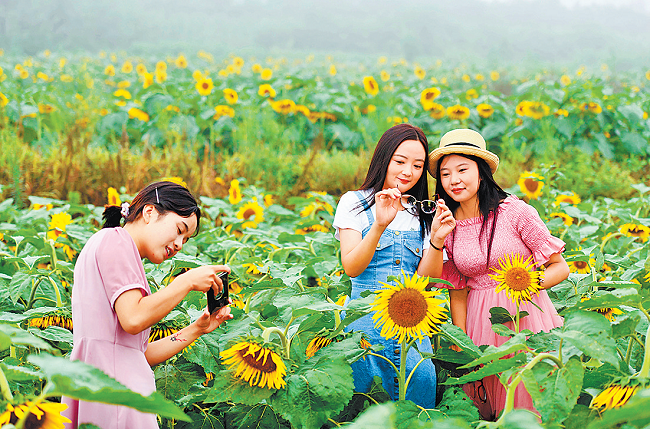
x=483 y=32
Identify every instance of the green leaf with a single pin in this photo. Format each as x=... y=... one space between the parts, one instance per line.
x=634 y=142
x=554 y=390
x=174 y=379
x=84 y=382
x=18 y=373
x=456 y=335
x=492 y=368
x=626 y=296
x=259 y=416
x=591 y=333
x=499 y=315
x=520 y=419
x=21 y=337
x=491 y=353
x=319 y=389
x=205 y=352
x=456 y=403
x=227 y=387
x=625 y=325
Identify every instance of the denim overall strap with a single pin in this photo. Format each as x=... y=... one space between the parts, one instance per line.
x=396 y=252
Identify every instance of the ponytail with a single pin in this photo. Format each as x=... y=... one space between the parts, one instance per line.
x=112 y=216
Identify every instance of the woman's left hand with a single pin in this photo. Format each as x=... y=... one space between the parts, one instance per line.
x=207 y=322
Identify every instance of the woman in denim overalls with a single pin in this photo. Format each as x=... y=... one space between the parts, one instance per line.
x=387 y=242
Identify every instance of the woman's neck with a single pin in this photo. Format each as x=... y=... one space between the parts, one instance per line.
x=468 y=209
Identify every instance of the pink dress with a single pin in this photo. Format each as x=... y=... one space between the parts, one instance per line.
x=519 y=230
x=108 y=266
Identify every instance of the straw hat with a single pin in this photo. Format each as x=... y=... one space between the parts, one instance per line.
x=463 y=142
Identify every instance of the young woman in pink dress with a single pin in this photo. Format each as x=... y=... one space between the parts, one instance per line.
x=487 y=224
x=113 y=308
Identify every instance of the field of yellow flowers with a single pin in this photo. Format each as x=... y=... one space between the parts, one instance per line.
x=235 y=117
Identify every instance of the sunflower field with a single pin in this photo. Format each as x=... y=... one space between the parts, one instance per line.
x=61 y=115
x=284 y=360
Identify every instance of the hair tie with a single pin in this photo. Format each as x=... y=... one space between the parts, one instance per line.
x=125 y=210
x=157 y=199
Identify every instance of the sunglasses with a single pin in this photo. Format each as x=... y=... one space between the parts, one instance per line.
x=413 y=206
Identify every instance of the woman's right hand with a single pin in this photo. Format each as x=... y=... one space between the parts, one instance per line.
x=387 y=204
x=443 y=221
x=205 y=277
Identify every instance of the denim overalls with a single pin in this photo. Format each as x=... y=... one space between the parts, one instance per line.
x=396 y=251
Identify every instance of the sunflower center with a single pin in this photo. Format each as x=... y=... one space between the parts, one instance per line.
x=531 y=184
x=407 y=307
x=580 y=264
x=517 y=278
x=635 y=231
x=256 y=360
x=248 y=213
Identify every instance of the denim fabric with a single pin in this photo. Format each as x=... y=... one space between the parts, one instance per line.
x=396 y=251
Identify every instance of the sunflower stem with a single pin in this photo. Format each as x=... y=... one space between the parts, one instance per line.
x=285 y=344
x=387 y=360
x=645 y=369
x=517 y=319
x=402 y=368
x=628 y=353
x=408 y=380
x=4 y=387
x=32 y=295
x=59 y=303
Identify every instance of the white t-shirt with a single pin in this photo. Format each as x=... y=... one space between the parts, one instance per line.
x=347 y=217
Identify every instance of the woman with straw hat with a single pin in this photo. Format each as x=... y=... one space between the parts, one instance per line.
x=489 y=225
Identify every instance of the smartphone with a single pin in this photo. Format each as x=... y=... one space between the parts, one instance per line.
x=216 y=302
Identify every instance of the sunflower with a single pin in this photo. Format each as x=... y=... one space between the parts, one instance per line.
x=484 y=110
x=42 y=76
x=316 y=344
x=238 y=62
x=147 y=80
x=580 y=267
x=531 y=184
x=3 y=100
x=204 y=86
x=252 y=212
x=614 y=396
x=634 y=230
x=234 y=193
x=437 y=111
x=384 y=76
x=266 y=90
x=59 y=222
x=521 y=108
x=458 y=112
x=419 y=72
x=427 y=96
x=223 y=110
x=514 y=275
x=46 y=108
x=266 y=74
x=471 y=94
x=140 y=69
x=160 y=331
x=536 y=109
x=370 y=85
x=302 y=109
x=256 y=364
x=561 y=112
x=565 y=80
x=592 y=107
x=138 y=114
x=44 y=415
x=285 y=106
x=609 y=313
x=175 y=179
x=312 y=228
x=564 y=198
x=316 y=207
x=230 y=95
x=494 y=75
x=180 y=62
x=256 y=68
x=566 y=219
x=109 y=70
x=61 y=319
x=407 y=310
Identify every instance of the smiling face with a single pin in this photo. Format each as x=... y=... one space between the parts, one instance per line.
x=459 y=177
x=165 y=234
x=406 y=166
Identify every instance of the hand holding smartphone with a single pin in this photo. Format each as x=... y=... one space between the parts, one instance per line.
x=216 y=302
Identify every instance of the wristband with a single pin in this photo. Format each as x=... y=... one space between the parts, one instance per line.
x=439 y=249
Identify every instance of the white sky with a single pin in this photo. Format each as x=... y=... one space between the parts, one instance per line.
x=642 y=4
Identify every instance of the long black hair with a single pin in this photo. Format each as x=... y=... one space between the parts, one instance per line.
x=165 y=197
x=376 y=176
x=489 y=195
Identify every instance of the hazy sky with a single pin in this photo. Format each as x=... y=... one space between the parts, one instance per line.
x=635 y=4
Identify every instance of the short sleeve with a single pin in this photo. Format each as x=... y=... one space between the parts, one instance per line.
x=534 y=233
x=348 y=215
x=119 y=265
x=453 y=276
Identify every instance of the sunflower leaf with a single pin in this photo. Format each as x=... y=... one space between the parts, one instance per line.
x=226 y=387
x=491 y=353
x=318 y=390
x=590 y=333
x=81 y=381
x=456 y=335
x=554 y=390
x=495 y=367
